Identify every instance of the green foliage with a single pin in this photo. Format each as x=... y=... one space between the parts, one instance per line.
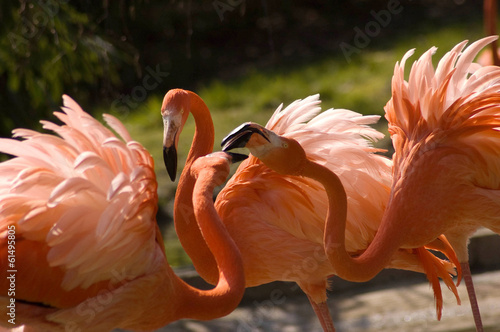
x=48 y=48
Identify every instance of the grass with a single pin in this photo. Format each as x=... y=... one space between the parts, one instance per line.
x=363 y=85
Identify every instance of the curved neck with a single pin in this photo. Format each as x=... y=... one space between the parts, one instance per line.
x=490 y=19
x=203 y=140
x=185 y=223
x=377 y=255
x=229 y=290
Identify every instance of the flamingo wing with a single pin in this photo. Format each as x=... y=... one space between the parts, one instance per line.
x=455 y=105
x=278 y=214
x=83 y=205
x=337 y=138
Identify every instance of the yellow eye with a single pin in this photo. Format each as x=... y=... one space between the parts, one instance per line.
x=285 y=145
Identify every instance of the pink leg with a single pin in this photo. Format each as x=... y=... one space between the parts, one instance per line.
x=472 y=296
x=321 y=310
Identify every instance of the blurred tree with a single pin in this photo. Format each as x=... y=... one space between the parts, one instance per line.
x=47 y=48
x=103 y=52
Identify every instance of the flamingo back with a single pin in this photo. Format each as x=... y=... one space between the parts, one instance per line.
x=457 y=105
x=337 y=138
x=272 y=215
x=82 y=203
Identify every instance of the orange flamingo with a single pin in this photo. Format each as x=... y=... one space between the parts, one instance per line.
x=277 y=222
x=444 y=126
x=490 y=56
x=88 y=253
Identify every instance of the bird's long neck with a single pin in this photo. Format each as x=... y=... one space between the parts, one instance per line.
x=185 y=223
x=168 y=297
x=229 y=290
x=203 y=141
x=490 y=19
x=378 y=254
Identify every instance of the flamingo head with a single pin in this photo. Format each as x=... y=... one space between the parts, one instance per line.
x=282 y=154
x=174 y=111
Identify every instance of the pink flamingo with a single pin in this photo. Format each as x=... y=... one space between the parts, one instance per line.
x=278 y=221
x=444 y=127
x=88 y=252
x=490 y=55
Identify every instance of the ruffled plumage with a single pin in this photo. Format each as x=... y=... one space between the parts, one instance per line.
x=457 y=104
x=293 y=206
x=86 y=194
x=444 y=124
x=88 y=250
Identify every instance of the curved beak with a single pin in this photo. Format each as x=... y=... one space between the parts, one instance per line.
x=237 y=157
x=240 y=136
x=170 y=148
x=170 y=159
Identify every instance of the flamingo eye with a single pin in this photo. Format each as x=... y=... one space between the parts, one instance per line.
x=284 y=145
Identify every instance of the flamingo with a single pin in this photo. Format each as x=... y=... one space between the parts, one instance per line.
x=444 y=127
x=277 y=222
x=88 y=254
x=490 y=56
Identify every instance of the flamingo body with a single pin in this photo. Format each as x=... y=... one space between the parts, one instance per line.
x=278 y=221
x=443 y=124
x=444 y=127
x=285 y=215
x=88 y=251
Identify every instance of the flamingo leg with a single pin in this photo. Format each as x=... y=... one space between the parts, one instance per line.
x=467 y=276
x=323 y=314
x=442 y=244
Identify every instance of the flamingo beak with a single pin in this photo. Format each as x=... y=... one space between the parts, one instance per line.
x=170 y=160
x=170 y=130
x=237 y=157
x=240 y=136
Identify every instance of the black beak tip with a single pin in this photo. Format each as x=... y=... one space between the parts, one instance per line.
x=240 y=136
x=238 y=142
x=237 y=157
x=237 y=138
x=170 y=160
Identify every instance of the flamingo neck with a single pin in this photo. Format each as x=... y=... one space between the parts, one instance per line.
x=185 y=222
x=229 y=290
x=377 y=255
x=489 y=13
x=203 y=141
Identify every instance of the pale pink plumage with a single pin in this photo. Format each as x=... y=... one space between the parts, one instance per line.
x=444 y=124
x=87 y=244
x=87 y=185
x=455 y=106
x=278 y=221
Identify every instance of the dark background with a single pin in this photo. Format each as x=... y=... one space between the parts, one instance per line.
x=96 y=51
